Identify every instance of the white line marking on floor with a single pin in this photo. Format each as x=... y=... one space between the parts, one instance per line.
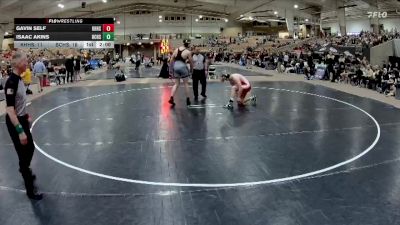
x=215 y=185
x=84 y=144
x=95 y=82
x=170 y=193
x=203 y=106
x=8 y=144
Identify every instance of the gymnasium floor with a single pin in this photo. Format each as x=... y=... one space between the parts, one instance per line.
x=305 y=154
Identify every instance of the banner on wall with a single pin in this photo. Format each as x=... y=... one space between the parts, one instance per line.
x=379 y=15
x=165 y=46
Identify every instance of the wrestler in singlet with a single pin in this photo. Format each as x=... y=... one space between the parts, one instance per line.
x=180 y=68
x=240 y=89
x=246 y=87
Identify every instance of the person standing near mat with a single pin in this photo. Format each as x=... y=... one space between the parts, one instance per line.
x=240 y=89
x=69 y=66
x=39 y=70
x=199 y=74
x=179 y=70
x=18 y=122
x=77 y=68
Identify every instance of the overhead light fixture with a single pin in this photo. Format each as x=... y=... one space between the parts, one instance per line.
x=159 y=17
x=60 y=5
x=296 y=6
x=306 y=20
x=197 y=20
x=200 y=16
x=226 y=20
x=276 y=12
x=6 y=33
x=118 y=22
x=160 y=20
x=104 y=1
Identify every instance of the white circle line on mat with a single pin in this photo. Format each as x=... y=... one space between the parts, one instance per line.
x=213 y=185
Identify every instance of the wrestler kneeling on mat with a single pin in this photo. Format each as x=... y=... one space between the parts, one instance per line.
x=241 y=88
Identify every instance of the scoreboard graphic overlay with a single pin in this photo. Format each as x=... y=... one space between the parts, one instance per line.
x=64 y=33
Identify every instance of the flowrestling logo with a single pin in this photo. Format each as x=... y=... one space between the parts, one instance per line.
x=64 y=21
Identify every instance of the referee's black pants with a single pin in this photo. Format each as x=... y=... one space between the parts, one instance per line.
x=199 y=75
x=25 y=152
x=70 y=76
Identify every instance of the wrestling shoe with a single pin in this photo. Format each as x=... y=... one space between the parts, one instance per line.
x=228 y=106
x=188 y=102
x=171 y=101
x=253 y=99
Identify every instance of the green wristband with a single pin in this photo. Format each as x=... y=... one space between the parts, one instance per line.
x=19 y=129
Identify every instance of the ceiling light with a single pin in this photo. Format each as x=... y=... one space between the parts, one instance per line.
x=276 y=12
x=105 y=1
x=200 y=16
x=296 y=6
x=60 y=5
x=226 y=20
x=6 y=33
x=159 y=17
x=197 y=20
x=306 y=20
x=160 y=20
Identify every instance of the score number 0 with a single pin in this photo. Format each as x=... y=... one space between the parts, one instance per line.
x=108 y=32
x=108 y=27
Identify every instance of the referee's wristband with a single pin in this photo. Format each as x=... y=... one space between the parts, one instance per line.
x=19 y=129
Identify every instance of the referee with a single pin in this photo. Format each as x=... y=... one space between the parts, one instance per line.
x=18 y=122
x=199 y=74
